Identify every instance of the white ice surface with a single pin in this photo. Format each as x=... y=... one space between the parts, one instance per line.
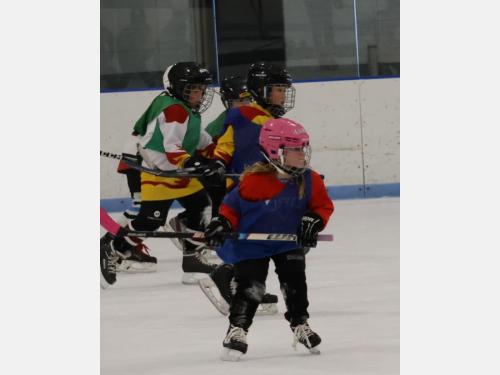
x=152 y=324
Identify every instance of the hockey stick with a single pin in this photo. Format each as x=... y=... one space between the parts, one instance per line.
x=107 y=222
x=186 y=172
x=229 y=236
x=212 y=292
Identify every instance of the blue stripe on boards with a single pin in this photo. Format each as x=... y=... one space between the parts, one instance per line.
x=336 y=192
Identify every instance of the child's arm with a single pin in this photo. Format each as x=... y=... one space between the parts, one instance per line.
x=320 y=208
x=226 y=221
x=230 y=208
x=320 y=203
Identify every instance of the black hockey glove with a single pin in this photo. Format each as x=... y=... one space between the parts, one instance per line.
x=310 y=225
x=212 y=170
x=218 y=225
x=197 y=163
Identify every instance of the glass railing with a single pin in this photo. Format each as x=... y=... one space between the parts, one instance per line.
x=314 y=39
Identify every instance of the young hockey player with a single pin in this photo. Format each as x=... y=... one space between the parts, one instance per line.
x=280 y=195
x=273 y=94
x=169 y=138
x=271 y=87
x=137 y=259
x=234 y=94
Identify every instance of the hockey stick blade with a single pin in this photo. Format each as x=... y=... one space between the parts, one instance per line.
x=208 y=287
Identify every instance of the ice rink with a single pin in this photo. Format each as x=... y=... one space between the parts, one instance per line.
x=152 y=324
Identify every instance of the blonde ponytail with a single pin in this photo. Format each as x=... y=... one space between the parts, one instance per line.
x=260 y=167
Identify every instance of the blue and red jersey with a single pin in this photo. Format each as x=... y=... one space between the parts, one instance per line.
x=262 y=203
x=238 y=146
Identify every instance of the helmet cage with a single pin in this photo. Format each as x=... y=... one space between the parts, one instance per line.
x=289 y=103
x=206 y=99
x=279 y=161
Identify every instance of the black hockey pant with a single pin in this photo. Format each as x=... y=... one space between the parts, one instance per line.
x=250 y=276
x=153 y=214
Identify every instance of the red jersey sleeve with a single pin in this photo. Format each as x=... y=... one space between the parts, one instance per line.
x=320 y=203
x=231 y=215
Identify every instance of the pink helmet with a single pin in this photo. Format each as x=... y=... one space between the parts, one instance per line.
x=279 y=134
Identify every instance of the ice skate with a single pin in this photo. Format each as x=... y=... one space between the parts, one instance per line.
x=302 y=333
x=210 y=254
x=133 y=259
x=108 y=258
x=268 y=305
x=235 y=344
x=195 y=266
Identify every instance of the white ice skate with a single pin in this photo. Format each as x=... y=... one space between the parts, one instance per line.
x=235 y=344
x=303 y=334
x=195 y=267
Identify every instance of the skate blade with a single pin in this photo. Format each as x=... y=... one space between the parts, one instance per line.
x=104 y=283
x=207 y=287
x=177 y=244
x=314 y=350
x=130 y=266
x=191 y=278
x=211 y=256
x=231 y=355
x=267 y=309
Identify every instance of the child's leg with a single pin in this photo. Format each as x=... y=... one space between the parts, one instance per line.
x=195 y=218
x=198 y=210
x=250 y=276
x=291 y=270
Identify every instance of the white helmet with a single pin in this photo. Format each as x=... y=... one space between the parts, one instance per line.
x=166 y=82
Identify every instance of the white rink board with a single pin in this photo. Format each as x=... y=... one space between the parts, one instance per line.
x=331 y=111
x=380 y=119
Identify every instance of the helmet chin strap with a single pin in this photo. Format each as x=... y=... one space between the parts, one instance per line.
x=283 y=170
x=276 y=110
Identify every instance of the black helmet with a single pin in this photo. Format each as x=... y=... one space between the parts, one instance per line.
x=183 y=77
x=233 y=88
x=261 y=77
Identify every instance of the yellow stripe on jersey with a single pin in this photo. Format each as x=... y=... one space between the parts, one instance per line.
x=225 y=145
x=156 y=188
